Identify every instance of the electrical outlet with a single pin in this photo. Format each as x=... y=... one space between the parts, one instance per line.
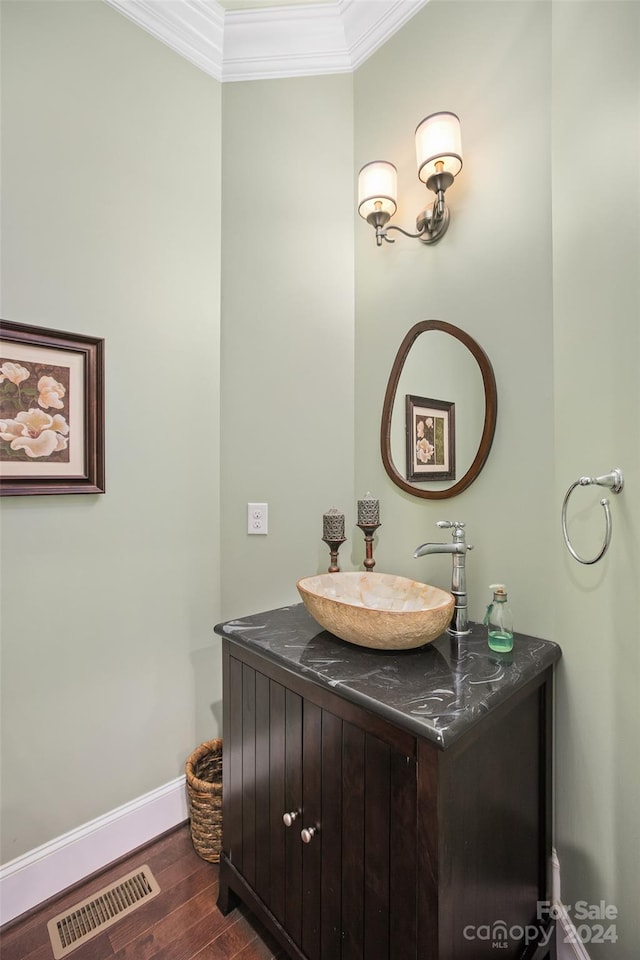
x=257 y=518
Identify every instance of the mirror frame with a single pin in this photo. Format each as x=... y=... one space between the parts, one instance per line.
x=490 y=410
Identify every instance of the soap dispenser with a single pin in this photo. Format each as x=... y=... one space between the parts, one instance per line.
x=499 y=620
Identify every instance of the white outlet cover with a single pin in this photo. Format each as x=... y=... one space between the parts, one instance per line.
x=257 y=518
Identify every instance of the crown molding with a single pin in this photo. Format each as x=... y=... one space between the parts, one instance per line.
x=288 y=41
x=269 y=42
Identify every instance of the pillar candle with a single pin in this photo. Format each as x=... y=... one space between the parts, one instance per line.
x=333 y=525
x=368 y=511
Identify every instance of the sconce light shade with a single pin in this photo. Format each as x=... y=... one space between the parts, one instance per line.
x=438 y=139
x=377 y=189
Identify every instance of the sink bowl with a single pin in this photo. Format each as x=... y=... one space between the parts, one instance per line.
x=377 y=610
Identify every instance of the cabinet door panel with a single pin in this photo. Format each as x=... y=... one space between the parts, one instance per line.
x=376 y=850
x=262 y=778
x=249 y=774
x=403 y=874
x=277 y=802
x=311 y=817
x=352 y=842
x=293 y=798
x=331 y=837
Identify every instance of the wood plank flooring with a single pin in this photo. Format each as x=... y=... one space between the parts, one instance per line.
x=181 y=923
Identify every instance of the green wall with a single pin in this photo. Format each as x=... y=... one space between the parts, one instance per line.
x=110 y=227
x=287 y=331
x=596 y=253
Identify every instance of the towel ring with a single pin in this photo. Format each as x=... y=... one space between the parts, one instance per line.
x=615 y=482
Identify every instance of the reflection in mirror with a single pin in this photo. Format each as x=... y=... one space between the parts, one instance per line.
x=449 y=372
x=446 y=366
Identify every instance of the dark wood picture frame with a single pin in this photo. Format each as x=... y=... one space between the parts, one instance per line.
x=71 y=402
x=431 y=439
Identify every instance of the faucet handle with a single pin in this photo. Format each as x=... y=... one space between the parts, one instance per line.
x=458 y=530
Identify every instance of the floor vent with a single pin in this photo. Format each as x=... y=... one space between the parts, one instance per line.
x=90 y=917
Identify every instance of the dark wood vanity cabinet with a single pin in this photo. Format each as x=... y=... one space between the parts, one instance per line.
x=351 y=791
x=396 y=848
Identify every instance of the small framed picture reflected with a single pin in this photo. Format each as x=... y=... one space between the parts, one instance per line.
x=431 y=447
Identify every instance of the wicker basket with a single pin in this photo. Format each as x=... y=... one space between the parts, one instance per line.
x=204 y=789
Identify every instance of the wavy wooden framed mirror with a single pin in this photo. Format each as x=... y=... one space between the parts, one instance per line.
x=439 y=412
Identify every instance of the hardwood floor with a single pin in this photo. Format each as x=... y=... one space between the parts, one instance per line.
x=181 y=923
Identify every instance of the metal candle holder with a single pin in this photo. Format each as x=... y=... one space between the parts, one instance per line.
x=369 y=529
x=333 y=535
x=334 y=546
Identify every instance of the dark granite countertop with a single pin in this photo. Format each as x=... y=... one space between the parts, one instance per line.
x=438 y=691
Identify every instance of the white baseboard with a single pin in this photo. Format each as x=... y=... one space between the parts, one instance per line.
x=568 y=944
x=41 y=873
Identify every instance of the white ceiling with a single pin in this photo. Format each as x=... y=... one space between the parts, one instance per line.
x=261 y=39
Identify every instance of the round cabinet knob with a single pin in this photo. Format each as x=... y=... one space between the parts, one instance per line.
x=288 y=818
x=308 y=834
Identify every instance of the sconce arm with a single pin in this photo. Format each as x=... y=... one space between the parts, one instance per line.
x=405 y=232
x=431 y=224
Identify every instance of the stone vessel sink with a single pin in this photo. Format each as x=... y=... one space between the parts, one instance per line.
x=377 y=610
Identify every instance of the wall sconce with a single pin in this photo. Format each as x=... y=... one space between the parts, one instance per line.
x=439 y=157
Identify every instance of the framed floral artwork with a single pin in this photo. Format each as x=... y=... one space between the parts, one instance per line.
x=51 y=411
x=431 y=442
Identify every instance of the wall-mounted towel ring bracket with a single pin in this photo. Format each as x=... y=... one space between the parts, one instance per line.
x=615 y=482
